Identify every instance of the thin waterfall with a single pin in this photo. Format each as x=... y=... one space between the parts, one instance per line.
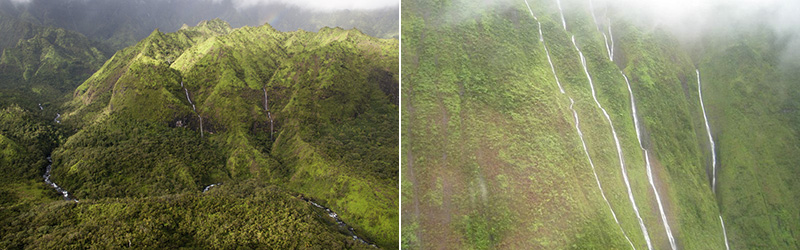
x=713 y=155
x=269 y=114
x=710 y=138
x=611 y=36
x=647 y=164
x=578 y=129
x=724 y=232
x=193 y=108
x=618 y=146
x=561 y=11
x=58 y=115
x=40 y=107
x=596 y=178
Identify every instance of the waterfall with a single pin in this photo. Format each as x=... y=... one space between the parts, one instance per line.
x=724 y=232
x=710 y=138
x=713 y=155
x=40 y=107
x=561 y=11
x=269 y=114
x=58 y=115
x=577 y=127
x=647 y=164
x=611 y=36
x=618 y=146
x=596 y=178
x=53 y=184
x=193 y=109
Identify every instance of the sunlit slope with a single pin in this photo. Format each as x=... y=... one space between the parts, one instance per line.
x=179 y=111
x=491 y=154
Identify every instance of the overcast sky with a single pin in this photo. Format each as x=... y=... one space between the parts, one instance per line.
x=316 y=5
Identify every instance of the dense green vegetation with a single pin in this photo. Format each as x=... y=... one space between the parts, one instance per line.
x=491 y=157
x=245 y=215
x=131 y=144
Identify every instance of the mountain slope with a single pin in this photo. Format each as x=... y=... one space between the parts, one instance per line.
x=314 y=113
x=519 y=132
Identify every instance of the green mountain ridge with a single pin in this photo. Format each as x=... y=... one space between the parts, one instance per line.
x=179 y=111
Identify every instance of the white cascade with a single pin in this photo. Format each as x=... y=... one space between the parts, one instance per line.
x=710 y=139
x=611 y=37
x=649 y=168
x=618 y=146
x=713 y=154
x=578 y=129
x=193 y=108
x=40 y=107
x=724 y=232
x=561 y=11
x=596 y=178
x=269 y=114
x=58 y=115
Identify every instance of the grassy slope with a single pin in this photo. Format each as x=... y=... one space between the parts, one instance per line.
x=750 y=99
x=484 y=124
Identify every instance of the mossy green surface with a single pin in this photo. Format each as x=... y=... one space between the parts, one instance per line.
x=491 y=157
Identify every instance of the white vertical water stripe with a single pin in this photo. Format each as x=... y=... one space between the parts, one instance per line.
x=596 y=178
x=710 y=139
x=563 y=22
x=724 y=232
x=713 y=154
x=578 y=129
x=611 y=36
x=649 y=167
x=618 y=146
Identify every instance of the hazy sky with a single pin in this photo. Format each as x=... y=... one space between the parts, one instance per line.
x=316 y=5
x=323 y=5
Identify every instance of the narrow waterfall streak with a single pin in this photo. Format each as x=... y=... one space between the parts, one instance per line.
x=189 y=99
x=40 y=107
x=58 y=115
x=269 y=114
x=611 y=36
x=531 y=11
x=618 y=146
x=563 y=22
x=596 y=178
x=713 y=155
x=710 y=139
x=647 y=164
x=608 y=49
x=578 y=129
x=193 y=109
x=724 y=233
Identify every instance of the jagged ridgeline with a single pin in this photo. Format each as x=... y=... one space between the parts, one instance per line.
x=313 y=113
x=558 y=124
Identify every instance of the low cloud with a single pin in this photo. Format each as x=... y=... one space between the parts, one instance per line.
x=322 y=5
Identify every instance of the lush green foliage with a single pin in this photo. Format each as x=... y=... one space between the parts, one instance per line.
x=229 y=216
x=491 y=157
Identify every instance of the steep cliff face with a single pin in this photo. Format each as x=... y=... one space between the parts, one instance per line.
x=559 y=124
